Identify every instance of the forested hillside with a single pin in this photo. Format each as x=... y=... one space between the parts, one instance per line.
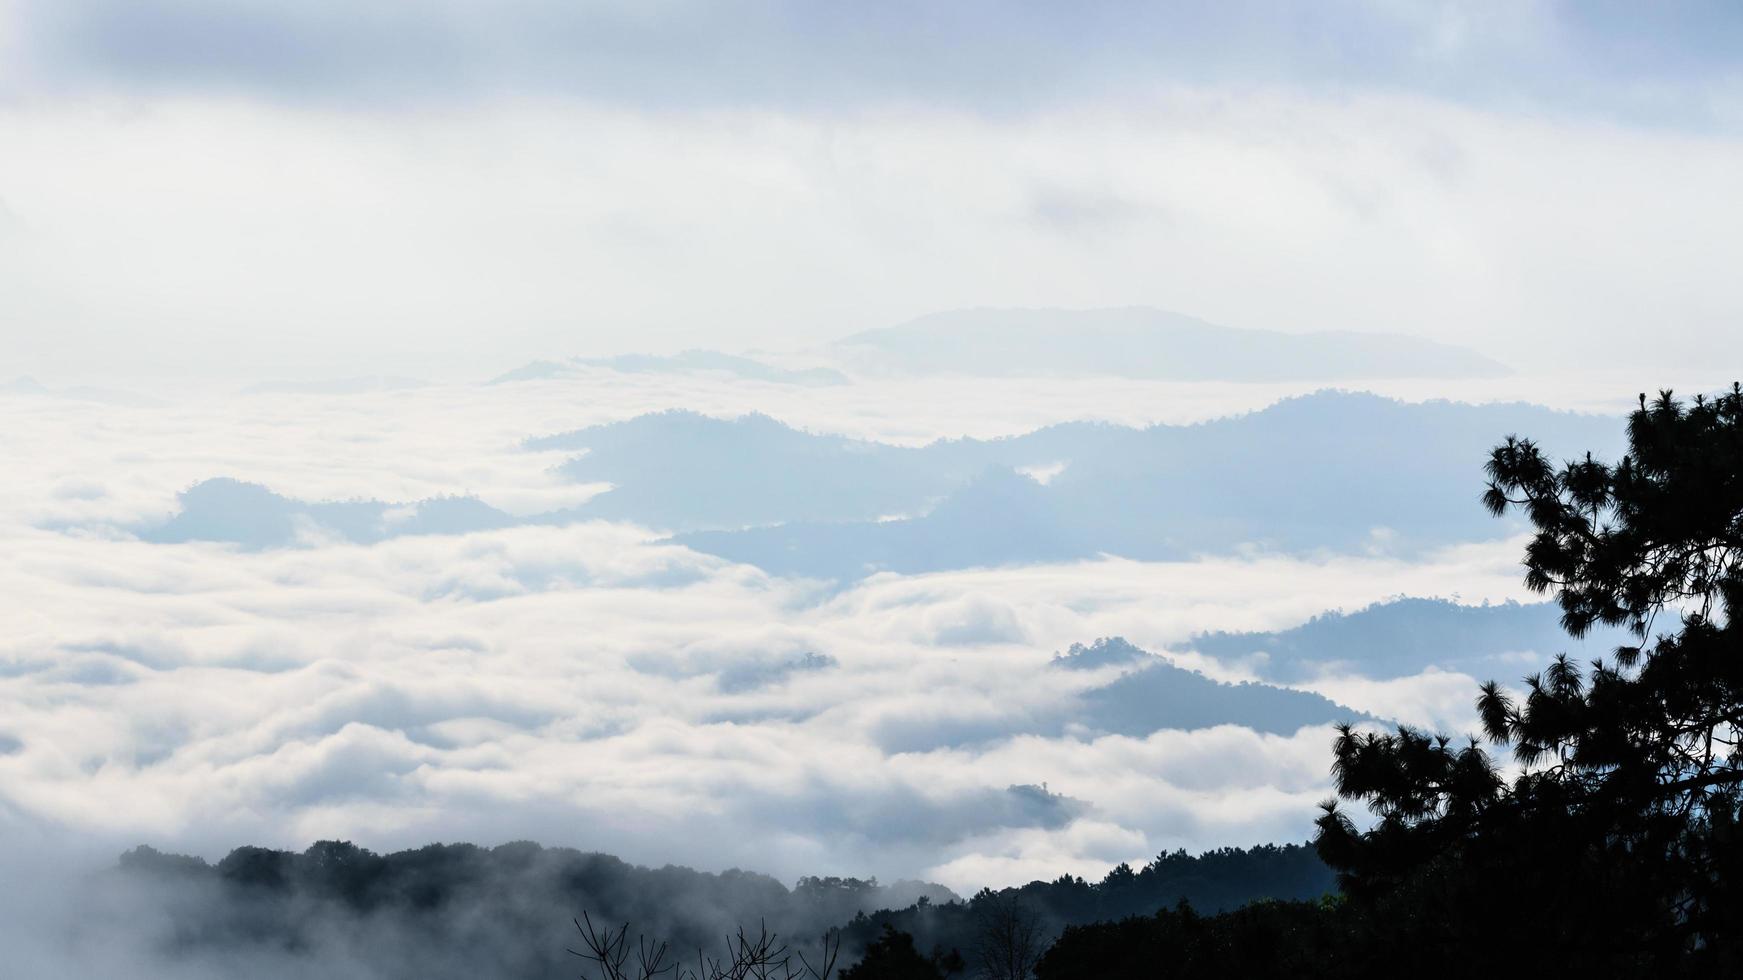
x=464 y=911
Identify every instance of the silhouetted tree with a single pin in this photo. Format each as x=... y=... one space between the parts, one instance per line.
x=763 y=956
x=1008 y=939
x=1260 y=940
x=1214 y=881
x=893 y=957
x=1615 y=846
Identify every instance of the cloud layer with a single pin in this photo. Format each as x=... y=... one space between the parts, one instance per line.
x=180 y=235
x=592 y=686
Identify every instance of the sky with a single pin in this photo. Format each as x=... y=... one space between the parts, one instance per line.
x=192 y=189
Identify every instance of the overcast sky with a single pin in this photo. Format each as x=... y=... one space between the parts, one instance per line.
x=272 y=188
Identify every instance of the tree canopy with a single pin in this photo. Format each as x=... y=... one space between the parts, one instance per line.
x=893 y=957
x=1609 y=837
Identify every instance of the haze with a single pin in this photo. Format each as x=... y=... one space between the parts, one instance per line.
x=963 y=444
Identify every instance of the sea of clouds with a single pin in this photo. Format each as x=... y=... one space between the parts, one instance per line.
x=592 y=686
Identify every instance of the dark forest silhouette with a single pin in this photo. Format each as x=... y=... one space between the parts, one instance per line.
x=499 y=911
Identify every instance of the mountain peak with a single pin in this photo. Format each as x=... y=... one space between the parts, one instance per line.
x=1145 y=343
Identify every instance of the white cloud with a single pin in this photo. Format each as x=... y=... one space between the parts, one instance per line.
x=1437 y=700
x=974 y=619
x=561 y=683
x=208 y=235
x=329 y=692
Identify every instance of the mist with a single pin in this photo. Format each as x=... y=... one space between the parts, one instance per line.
x=818 y=468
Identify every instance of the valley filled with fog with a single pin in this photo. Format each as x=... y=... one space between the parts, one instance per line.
x=944 y=630
x=687 y=616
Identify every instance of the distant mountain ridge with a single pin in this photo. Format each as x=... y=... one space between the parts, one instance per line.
x=1332 y=471
x=1404 y=636
x=1140 y=342
x=1153 y=694
x=1329 y=471
x=255 y=517
x=1134 y=694
x=368 y=384
x=27 y=386
x=684 y=362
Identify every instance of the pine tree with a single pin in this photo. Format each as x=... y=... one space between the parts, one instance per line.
x=1614 y=846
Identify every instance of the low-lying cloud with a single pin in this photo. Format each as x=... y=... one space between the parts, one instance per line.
x=593 y=685
x=419 y=690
